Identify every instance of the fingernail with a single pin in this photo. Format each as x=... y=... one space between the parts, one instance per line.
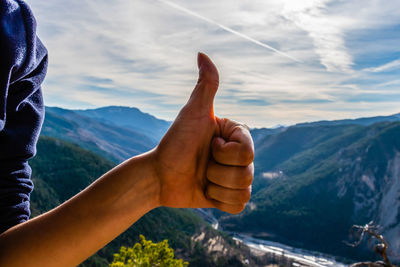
x=200 y=59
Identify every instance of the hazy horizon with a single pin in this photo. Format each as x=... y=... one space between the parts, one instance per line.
x=259 y=127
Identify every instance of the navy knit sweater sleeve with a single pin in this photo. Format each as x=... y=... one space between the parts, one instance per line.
x=23 y=63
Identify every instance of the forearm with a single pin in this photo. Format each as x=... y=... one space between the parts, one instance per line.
x=70 y=233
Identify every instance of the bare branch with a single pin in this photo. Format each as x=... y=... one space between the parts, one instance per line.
x=381 y=248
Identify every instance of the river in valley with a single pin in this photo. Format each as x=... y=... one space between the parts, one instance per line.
x=299 y=257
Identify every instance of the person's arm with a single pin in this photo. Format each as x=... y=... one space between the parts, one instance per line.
x=70 y=233
x=202 y=161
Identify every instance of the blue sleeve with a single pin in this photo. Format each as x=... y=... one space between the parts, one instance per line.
x=23 y=64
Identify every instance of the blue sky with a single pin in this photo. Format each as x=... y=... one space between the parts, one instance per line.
x=142 y=53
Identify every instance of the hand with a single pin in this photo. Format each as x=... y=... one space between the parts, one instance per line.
x=204 y=161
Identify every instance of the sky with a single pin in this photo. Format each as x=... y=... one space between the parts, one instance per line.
x=280 y=61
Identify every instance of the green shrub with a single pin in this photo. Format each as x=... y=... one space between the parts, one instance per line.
x=147 y=254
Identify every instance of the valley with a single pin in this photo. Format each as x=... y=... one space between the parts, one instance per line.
x=313 y=181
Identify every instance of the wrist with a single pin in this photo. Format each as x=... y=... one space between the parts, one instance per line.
x=145 y=184
x=130 y=189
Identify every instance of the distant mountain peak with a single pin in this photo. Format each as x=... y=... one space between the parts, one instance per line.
x=121 y=110
x=116 y=108
x=119 y=130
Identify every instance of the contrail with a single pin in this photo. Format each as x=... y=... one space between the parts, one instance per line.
x=194 y=14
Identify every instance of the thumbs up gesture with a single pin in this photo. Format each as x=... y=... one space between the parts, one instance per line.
x=201 y=162
x=204 y=161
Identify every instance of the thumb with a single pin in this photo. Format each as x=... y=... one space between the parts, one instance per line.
x=207 y=85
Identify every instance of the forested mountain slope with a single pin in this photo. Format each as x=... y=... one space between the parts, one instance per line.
x=114 y=142
x=314 y=182
x=130 y=118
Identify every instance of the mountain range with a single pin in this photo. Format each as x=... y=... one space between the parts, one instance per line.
x=130 y=118
x=116 y=141
x=313 y=181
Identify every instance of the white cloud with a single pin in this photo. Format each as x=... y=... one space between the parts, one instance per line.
x=326 y=32
x=388 y=66
x=228 y=29
x=142 y=53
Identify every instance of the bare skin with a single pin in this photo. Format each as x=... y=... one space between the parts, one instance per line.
x=201 y=162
